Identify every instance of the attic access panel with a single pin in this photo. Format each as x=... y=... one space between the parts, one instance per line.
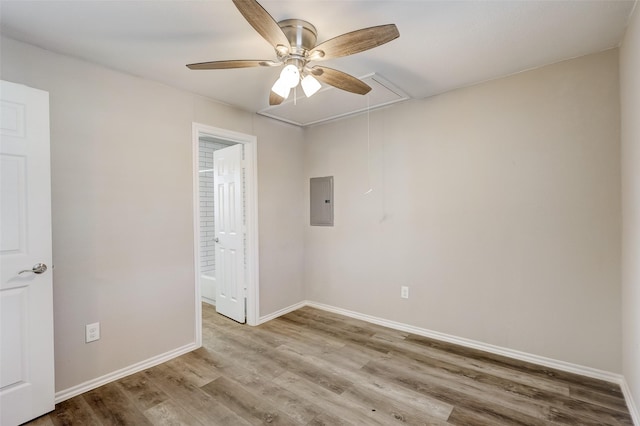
x=330 y=103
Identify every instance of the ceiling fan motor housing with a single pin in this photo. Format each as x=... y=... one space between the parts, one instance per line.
x=302 y=36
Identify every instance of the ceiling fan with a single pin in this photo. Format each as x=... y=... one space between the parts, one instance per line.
x=294 y=41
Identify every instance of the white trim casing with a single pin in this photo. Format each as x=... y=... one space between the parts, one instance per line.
x=118 y=374
x=631 y=405
x=195 y=149
x=253 y=259
x=251 y=194
x=282 y=311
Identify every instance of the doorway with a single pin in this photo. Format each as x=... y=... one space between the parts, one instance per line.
x=207 y=237
x=206 y=140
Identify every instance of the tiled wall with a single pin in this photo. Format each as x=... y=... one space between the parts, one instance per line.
x=207 y=228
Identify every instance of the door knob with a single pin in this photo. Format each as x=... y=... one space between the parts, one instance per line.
x=38 y=268
x=216 y=240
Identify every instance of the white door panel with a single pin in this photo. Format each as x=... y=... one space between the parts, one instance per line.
x=229 y=225
x=26 y=299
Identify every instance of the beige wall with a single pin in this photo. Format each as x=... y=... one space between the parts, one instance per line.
x=630 y=101
x=498 y=205
x=122 y=209
x=281 y=225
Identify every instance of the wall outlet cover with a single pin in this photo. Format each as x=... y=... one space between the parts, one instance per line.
x=404 y=292
x=92 y=332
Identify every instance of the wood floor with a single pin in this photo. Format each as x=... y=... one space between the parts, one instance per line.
x=311 y=367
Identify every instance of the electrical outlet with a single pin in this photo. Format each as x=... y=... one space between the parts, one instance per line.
x=404 y=292
x=92 y=332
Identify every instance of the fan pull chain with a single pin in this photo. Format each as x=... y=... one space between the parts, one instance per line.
x=368 y=148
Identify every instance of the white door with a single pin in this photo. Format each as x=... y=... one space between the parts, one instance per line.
x=26 y=294
x=229 y=224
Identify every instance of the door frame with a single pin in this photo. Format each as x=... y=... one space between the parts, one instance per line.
x=251 y=211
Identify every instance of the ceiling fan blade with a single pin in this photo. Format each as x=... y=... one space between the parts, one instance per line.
x=354 y=42
x=275 y=99
x=262 y=22
x=223 y=65
x=340 y=79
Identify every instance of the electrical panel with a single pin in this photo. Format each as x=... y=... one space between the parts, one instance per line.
x=321 y=191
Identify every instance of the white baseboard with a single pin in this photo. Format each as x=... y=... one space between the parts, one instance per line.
x=498 y=350
x=211 y=302
x=134 y=368
x=631 y=405
x=282 y=311
x=474 y=344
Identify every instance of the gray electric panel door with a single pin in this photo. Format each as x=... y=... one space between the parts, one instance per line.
x=322 y=201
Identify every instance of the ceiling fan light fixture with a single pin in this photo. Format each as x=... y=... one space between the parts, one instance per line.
x=294 y=41
x=281 y=88
x=310 y=85
x=290 y=76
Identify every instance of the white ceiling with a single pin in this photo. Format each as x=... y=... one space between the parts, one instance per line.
x=443 y=44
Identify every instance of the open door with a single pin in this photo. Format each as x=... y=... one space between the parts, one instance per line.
x=26 y=293
x=230 y=232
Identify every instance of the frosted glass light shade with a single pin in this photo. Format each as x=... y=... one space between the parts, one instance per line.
x=290 y=76
x=310 y=85
x=281 y=88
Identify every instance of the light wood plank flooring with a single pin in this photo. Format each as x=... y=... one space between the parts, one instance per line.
x=312 y=367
